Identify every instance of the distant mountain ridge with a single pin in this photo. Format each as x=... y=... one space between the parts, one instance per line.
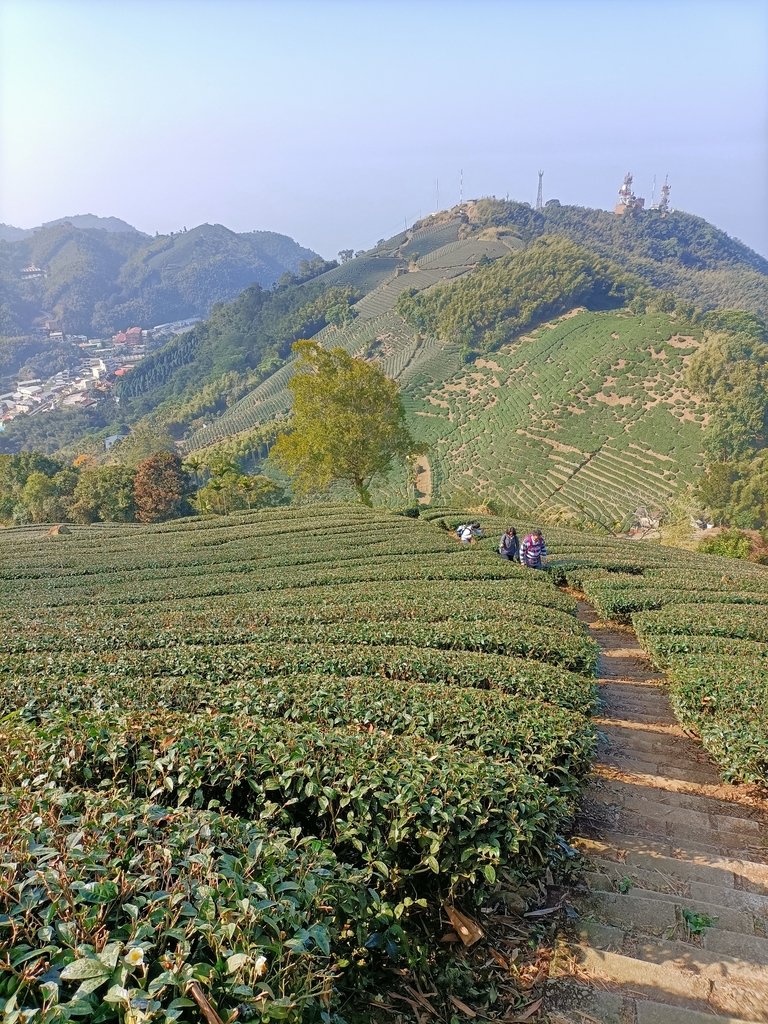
x=542 y=355
x=93 y=275
x=84 y=221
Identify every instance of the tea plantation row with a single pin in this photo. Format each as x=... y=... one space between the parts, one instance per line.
x=250 y=760
x=702 y=619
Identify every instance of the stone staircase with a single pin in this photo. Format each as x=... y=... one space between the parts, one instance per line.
x=673 y=914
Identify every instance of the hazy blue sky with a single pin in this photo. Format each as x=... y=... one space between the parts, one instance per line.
x=332 y=120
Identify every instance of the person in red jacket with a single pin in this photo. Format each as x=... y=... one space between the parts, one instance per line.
x=533 y=550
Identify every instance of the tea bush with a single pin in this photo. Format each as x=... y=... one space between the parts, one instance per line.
x=258 y=753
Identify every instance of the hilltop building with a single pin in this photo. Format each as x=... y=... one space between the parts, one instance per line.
x=32 y=271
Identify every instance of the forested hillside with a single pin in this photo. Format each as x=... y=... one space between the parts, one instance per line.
x=550 y=358
x=679 y=252
x=95 y=280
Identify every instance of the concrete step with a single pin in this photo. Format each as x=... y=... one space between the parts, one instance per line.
x=732 y=844
x=648 y=805
x=672 y=731
x=750 y=902
x=662 y=761
x=666 y=875
x=650 y=781
x=666 y=827
x=659 y=1013
x=623 y=704
x=678 y=976
x=738 y=966
x=683 y=771
x=625 y=909
x=616 y=713
x=704 y=864
x=570 y=1002
x=626 y=737
x=738 y=816
x=719 y=894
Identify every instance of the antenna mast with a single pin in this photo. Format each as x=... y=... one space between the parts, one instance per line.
x=628 y=201
x=666 y=188
x=540 y=193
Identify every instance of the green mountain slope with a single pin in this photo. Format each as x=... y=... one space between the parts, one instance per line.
x=679 y=252
x=94 y=280
x=587 y=415
x=582 y=415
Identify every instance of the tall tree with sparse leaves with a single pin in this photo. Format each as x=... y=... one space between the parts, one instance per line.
x=160 y=488
x=348 y=423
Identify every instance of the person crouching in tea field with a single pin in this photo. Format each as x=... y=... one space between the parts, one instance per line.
x=533 y=550
x=468 y=533
x=509 y=545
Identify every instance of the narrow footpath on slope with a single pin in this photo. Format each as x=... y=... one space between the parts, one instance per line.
x=422 y=475
x=673 y=919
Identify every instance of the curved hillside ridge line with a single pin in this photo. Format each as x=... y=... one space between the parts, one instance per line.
x=376 y=319
x=448 y=245
x=384 y=298
x=465 y=253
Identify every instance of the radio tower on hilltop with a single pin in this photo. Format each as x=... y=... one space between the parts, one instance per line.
x=666 y=188
x=628 y=201
x=540 y=193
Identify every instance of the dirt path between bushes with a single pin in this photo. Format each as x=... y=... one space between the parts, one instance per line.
x=422 y=476
x=673 y=916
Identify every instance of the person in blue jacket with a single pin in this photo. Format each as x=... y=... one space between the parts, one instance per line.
x=509 y=545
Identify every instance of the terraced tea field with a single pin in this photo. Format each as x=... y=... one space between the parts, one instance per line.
x=384 y=337
x=701 y=619
x=667 y=924
x=433 y=254
x=248 y=762
x=587 y=415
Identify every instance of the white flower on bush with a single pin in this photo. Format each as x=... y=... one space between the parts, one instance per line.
x=135 y=956
x=260 y=966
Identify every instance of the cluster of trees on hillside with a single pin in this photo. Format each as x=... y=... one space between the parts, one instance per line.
x=679 y=252
x=731 y=373
x=35 y=488
x=53 y=431
x=36 y=356
x=498 y=301
x=677 y=237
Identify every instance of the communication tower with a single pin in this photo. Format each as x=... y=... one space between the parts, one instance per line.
x=628 y=201
x=540 y=193
x=666 y=188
